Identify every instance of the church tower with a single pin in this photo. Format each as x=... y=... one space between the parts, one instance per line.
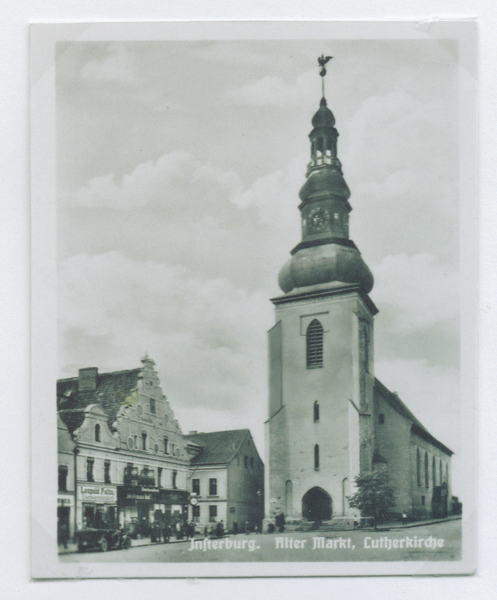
x=320 y=432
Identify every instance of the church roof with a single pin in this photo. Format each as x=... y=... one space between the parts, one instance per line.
x=417 y=427
x=111 y=389
x=219 y=447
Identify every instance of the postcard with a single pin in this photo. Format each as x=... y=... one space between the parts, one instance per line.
x=254 y=299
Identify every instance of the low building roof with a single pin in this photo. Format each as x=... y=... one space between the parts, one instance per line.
x=417 y=427
x=219 y=447
x=111 y=391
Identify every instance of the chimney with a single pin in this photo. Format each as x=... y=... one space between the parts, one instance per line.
x=88 y=379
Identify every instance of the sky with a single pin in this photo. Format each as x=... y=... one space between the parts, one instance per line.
x=178 y=170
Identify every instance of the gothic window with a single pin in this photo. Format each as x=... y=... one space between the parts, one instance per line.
x=97 y=433
x=314 y=345
x=427 y=483
x=316 y=457
x=418 y=466
x=316 y=411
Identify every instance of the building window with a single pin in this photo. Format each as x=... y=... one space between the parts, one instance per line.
x=196 y=512
x=165 y=446
x=427 y=478
x=316 y=411
x=89 y=469
x=152 y=406
x=246 y=461
x=63 y=470
x=316 y=457
x=144 y=441
x=381 y=419
x=232 y=510
x=434 y=472
x=251 y=462
x=107 y=471
x=423 y=500
x=212 y=487
x=440 y=472
x=418 y=466
x=447 y=474
x=212 y=513
x=196 y=486
x=175 y=475
x=97 y=433
x=314 y=345
x=159 y=477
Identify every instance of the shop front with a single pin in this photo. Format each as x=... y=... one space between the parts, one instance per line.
x=97 y=506
x=141 y=507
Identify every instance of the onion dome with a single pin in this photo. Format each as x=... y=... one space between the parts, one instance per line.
x=324 y=182
x=324 y=117
x=323 y=264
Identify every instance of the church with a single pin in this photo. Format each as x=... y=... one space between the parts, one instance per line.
x=329 y=418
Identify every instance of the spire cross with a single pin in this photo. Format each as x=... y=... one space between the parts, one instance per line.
x=322 y=60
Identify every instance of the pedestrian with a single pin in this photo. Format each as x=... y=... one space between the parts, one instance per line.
x=404 y=519
x=235 y=527
x=356 y=522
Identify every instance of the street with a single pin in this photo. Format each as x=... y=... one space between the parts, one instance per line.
x=440 y=541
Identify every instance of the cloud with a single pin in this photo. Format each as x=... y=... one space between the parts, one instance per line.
x=275 y=91
x=416 y=292
x=207 y=335
x=173 y=179
x=117 y=66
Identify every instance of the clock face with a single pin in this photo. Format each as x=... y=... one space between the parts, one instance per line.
x=318 y=220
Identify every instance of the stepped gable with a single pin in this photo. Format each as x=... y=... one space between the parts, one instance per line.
x=219 y=447
x=418 y=428
x=111 y=391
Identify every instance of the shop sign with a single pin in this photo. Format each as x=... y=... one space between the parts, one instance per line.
x=65 y=501
x=98 y=493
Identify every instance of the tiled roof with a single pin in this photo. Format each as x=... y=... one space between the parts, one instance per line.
x=219 y=447
x=418 y=428
x=111 y=389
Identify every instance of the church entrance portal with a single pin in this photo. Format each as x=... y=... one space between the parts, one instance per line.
x=316 y=505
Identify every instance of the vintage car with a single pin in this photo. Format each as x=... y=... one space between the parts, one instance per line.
x=102 y=539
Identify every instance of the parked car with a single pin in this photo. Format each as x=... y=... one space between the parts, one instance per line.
x=102 y=539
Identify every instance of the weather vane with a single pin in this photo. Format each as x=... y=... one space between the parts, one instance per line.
x=322 y=60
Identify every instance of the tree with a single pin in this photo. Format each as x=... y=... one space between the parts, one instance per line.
x=374 y=496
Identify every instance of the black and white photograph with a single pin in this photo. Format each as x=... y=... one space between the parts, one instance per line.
x=254 y=299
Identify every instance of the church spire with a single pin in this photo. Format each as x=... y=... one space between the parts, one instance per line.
x=325 y=255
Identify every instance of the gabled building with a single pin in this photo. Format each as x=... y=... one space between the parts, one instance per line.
x=226 y=479
x=132 y=463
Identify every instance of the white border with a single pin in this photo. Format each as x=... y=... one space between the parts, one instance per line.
x=45 y=563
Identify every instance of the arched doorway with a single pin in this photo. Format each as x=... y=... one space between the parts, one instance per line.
x=316 y=505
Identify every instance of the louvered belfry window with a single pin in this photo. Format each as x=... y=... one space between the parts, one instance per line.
x=314 y=345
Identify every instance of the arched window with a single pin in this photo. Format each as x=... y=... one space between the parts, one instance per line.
x=97 y=432
x=144 y=441
x=316 y=457
x=418 y=466
x=316 y=411
x=314 y=345
x=434 y=472
x=427 y=482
